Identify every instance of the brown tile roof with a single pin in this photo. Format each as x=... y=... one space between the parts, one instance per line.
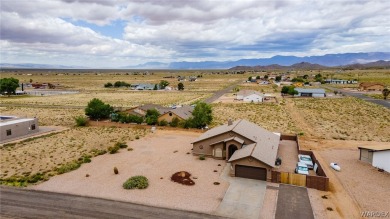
x=246 y=151
x=237 y=139
x=267 y=143
x=245 y=93
x=183 y=112
x=159 y=108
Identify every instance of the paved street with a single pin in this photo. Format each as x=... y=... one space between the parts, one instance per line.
x=385 y=103
x=23 y=203
x=220 y=93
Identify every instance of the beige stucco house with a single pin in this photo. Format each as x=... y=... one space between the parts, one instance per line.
x=182 y=113
x=250 y=149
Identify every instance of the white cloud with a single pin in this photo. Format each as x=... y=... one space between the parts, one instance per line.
x=167 y=30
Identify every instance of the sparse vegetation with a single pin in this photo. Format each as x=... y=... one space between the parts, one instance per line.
x=81 y=121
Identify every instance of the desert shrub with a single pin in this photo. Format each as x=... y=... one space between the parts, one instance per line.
x=68 y=167
x=109 y=84
x=163 y=123
x=81 y=121
x=151 y=116
x=113 y=149
x=121 y=145
x=175 y=122
x=202 y=157
x=136 y=182
x=137 y=137
x=97 y=152
x=116 y=170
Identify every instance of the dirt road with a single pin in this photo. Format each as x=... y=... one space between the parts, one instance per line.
x=23 y=203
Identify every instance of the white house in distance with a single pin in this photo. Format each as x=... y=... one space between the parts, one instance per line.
x=250 y=96
x=302 y=92
x=377 y=156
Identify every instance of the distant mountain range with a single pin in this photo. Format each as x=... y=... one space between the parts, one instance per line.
x=307 y=65
x=329 y=60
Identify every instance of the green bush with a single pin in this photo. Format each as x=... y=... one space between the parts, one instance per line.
x=175 y=122
x=81 y=121
x=116 y=170
x=163 y=123
x=120 y=145
x=68 y=167
x=114 y=149
x=136 y=182
x=202 y=157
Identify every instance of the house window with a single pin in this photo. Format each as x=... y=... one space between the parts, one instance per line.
x=170 y=114
x=9 y=132
x=33 y=127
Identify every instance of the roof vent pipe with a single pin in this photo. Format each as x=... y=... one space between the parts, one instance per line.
x=230 y=122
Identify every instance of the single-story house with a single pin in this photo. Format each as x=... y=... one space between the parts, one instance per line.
x=144 y=86
x=250 y=149
x=182 y=113
x=371 y=86
x=337 y=81
x=377 y=156
x=193 y=78
x=14 y=127
x=310 y=92
x=141 y=110
x=250 y=96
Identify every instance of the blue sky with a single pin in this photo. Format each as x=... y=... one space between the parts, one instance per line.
x=111 y=34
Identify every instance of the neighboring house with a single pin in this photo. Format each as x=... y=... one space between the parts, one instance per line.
x=337 y=81
x=146 y=87
x=250 y=96
x=14 y=127
x=182 y=113
x=263 y=82
x=168 y=88
x=250 y=149
x=371 y=86
x=193 y=78
x=377 y=156
x=141 y=110
x=310 y=92
x=181 y=78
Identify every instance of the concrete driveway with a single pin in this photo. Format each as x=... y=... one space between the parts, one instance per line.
x=243 y=199
x=293 y=202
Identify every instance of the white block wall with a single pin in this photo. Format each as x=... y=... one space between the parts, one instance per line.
x=381 y=159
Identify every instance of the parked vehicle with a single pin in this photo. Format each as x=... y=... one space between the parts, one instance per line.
x=301 y=168
x=306 y=159
x=335 y=166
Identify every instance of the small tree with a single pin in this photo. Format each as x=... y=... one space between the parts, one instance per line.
x=155 y=87
x=8 y=85
x=385 y=93
x=97 y=109
x=152 y=116
x=249 y=78
x=175 y=122
x=180 y=86
x=335 y=92
x=163 y=84
x=257 y=77
x=202 y=115
x=292 y=91
x=285 y=90
x=265 y=77
x=278 y=78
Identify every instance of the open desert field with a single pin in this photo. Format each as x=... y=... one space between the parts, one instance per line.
x=121 y=98
x=342 y=118
x=157 y=157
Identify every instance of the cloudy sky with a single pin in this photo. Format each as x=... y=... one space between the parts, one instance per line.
x=108 y=33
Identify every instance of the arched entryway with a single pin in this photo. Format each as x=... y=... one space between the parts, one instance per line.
x=232 y=148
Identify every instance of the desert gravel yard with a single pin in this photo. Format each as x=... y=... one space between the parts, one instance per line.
x=157 y=157
x=365 y=184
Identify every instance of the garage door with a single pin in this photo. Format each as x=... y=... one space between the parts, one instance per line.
x=251 y=172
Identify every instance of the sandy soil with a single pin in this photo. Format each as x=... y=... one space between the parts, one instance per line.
x=156 y=156
x=351 y=191
x=362 y=181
